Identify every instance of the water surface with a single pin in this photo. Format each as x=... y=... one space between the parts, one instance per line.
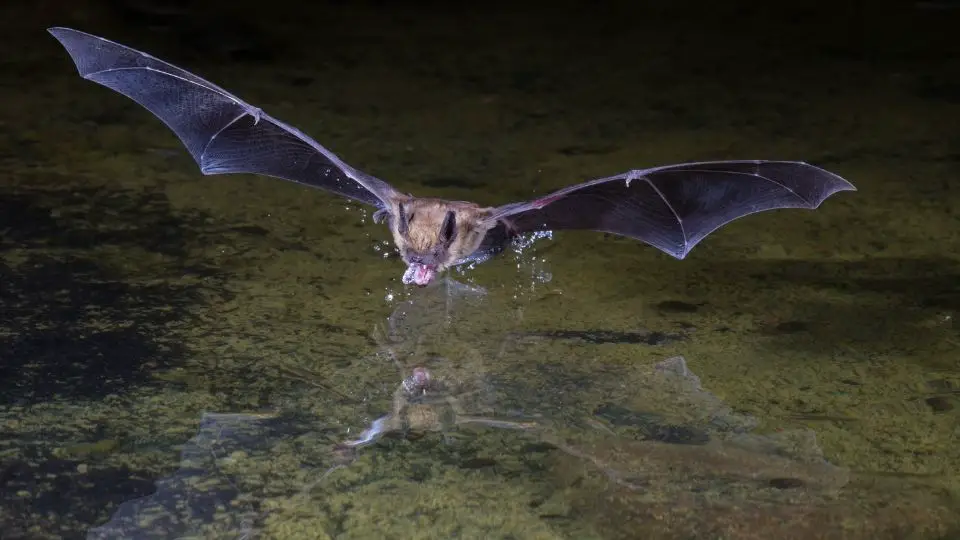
x=197 y=347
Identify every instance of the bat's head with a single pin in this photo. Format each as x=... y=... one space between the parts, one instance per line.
x=432 y=235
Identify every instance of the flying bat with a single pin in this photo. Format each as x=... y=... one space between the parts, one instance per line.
x=670 y=207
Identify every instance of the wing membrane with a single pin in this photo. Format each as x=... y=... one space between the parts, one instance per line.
x=674 y=207
x=222 y=133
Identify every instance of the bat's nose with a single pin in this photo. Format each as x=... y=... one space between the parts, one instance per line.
x=414 y=257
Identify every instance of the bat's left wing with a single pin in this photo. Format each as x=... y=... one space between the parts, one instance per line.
x=674 y=207
x=223 y=133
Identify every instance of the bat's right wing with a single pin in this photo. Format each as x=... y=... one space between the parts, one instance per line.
x=223 y=133
x=674 y=207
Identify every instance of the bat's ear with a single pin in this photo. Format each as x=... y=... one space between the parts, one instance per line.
x=402 y=223
x=448 y=230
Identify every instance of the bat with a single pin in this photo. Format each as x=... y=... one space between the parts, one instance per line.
x=670 y=207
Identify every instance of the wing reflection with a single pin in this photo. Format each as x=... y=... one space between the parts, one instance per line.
x=202 y=499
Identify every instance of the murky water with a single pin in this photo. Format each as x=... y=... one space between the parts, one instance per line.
x=185 y=356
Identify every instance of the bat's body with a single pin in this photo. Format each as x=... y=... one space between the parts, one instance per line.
x=671 y=207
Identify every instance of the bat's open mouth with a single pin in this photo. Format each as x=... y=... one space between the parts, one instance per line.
x=419 y=274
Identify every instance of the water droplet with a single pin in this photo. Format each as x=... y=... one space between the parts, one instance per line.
x=522 y=243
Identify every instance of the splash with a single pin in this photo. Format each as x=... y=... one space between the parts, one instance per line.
x=535 y=268
x=525 y=241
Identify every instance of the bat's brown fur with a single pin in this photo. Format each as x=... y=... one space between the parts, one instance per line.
x=425 y=218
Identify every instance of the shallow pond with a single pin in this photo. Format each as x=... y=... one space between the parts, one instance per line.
x=225 y=357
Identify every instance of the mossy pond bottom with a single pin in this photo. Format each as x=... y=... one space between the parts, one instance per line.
x=235 y=357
